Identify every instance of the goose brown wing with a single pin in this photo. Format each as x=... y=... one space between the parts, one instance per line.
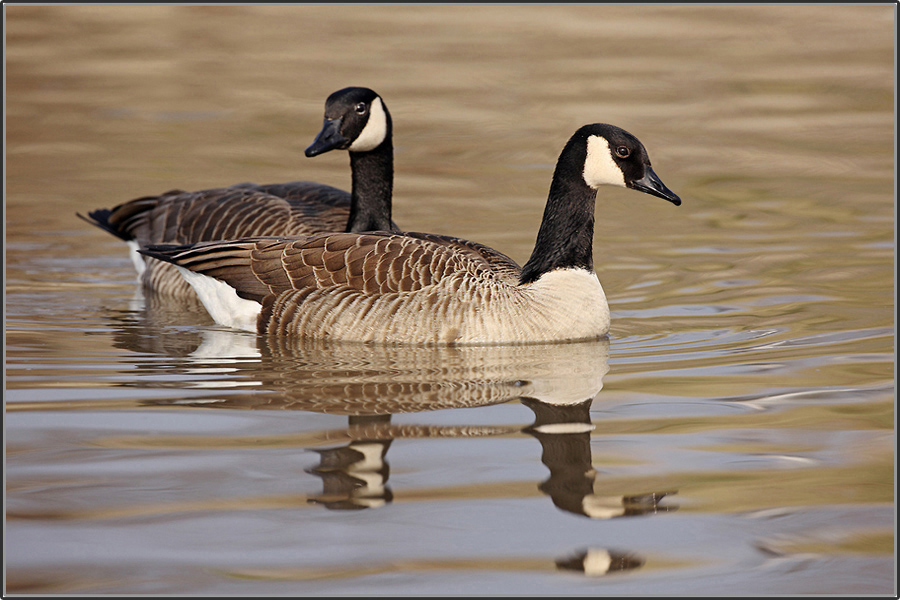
x=372 y=263
x=375 y=263
x=502 y=266
x=304 y=195
x=239 y=211
x=127 y=221
x=252 y=266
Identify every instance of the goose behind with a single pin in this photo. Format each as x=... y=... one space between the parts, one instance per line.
x=356 y=120
x=428 y=289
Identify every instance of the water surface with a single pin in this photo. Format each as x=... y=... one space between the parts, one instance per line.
x=735 y=433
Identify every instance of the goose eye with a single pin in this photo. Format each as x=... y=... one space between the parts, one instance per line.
x=360 y=108
x=622 y=152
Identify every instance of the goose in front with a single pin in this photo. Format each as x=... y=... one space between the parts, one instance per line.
x=356 y=120
x=416 y=288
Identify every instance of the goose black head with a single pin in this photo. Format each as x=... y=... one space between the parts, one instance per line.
x=612 y=156
x=356 y=119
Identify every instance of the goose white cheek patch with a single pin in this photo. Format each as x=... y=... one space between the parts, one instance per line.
x=375 y=130
x=599 y=166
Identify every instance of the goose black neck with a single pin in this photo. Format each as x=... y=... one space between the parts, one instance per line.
x=373 y=182
x=566 y=237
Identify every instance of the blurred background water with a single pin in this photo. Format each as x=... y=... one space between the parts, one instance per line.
x=735 y=433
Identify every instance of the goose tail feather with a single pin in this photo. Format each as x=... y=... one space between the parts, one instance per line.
x=100 y=218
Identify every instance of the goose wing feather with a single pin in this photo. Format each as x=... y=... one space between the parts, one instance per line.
x=373 y=263
x=500 y=264
x=239 y=211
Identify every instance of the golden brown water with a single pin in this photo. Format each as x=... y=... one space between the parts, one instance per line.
x=742 y=441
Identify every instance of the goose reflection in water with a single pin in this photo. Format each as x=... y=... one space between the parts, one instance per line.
x=370 y=383
x=355 y=476
x=564 y=432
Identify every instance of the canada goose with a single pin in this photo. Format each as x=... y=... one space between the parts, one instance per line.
x=430 y=289
x=356 y=119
